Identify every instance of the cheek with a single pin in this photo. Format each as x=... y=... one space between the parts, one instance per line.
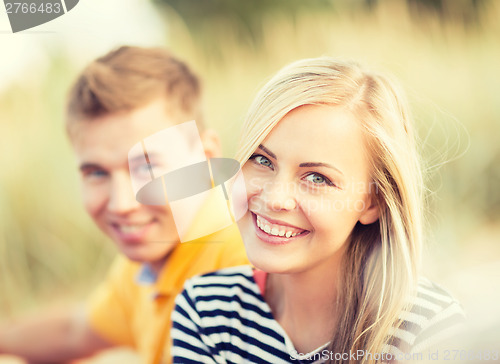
x=94 y=199
x=332 y=215
x=158 y=211
x=359 y=201
x=320 y=215
x=331 y=228
x=323 y=207
x=253 y=184
x=358 y=205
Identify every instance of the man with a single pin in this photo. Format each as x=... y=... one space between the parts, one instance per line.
x=119 y=100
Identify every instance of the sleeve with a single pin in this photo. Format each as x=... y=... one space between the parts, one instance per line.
x=444 y=326
x=109 y=307
x=189 y=344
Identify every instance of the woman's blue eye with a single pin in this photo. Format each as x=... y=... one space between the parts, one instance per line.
x=318 y=179
x=263 y=161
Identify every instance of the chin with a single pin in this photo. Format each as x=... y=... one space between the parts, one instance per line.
x=146 y=253
x=268 y=263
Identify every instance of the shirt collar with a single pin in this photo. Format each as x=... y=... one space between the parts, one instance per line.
x=146 y=276
x=165 y=281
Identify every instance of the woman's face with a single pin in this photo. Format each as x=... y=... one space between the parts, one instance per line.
x=308 y=184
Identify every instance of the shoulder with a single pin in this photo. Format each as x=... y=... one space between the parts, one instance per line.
x=434 y=304
x=230 y=290
x=223 y=281
x=119 y=286
x=123 y=270
x=434 y=315
x=223 y=248
x=220 y=299
x=224 y=313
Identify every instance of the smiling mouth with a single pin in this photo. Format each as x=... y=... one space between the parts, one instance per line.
x=277 y=230
x=130 y=229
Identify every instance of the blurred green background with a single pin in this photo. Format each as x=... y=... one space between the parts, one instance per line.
x=445 y=53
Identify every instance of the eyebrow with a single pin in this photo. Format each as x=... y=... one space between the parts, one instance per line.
x=87 y=166
x=139 y=158
x=148 y=157
x=271 y=154
x=303 y=165
x=319 y=164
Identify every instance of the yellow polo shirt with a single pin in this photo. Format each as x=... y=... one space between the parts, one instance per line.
x=133 y=314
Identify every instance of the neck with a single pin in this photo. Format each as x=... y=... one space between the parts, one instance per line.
x=157 y=266
x=304 y=304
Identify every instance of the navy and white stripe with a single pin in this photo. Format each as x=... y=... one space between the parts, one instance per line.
x=221 y=317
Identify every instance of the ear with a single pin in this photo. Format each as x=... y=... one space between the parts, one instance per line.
x=211 y=144
x=371 y=212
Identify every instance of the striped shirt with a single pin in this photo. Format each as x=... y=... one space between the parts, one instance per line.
x=222 y=317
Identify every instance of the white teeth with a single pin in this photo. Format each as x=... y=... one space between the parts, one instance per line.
x=130 y=229
x=274 y=230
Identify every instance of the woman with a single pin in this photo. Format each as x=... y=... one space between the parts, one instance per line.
x=333 y=228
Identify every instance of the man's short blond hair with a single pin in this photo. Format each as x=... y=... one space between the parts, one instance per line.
x=129 y=78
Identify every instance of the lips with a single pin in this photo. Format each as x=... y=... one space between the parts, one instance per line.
x=276 y=232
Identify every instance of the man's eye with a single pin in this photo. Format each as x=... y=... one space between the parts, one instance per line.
x=263 y=161
x=144 y=169
x=98 y=173
x=318 y=179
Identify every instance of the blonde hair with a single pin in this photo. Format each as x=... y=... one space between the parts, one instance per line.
x=380 y=270
x=128 y=78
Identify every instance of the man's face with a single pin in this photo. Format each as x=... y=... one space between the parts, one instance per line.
x=143 y=233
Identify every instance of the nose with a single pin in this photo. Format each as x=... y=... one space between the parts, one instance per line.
x=279 y=195
x=121 y=197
